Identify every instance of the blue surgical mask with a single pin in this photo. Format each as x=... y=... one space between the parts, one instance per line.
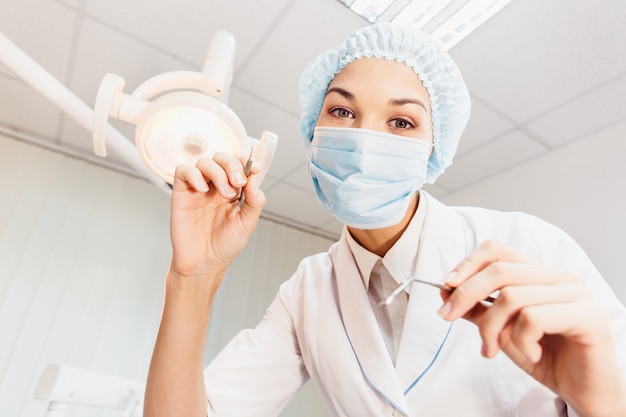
x=365 y=177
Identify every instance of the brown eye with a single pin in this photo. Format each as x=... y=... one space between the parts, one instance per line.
x=402 y=124
x=342 y=113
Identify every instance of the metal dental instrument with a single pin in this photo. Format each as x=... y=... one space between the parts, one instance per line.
x=246 y=171
x=410 y=280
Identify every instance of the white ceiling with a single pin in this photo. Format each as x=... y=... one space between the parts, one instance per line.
x=541 y=74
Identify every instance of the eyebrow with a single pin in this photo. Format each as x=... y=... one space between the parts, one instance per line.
x=403 y=101
x=346 y=94
x=394 y=101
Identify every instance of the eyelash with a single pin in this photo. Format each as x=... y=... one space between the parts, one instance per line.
x=335 y=110
x=410 y=125
x=350 y=115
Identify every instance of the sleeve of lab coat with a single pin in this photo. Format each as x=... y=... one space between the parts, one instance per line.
x=260 y=370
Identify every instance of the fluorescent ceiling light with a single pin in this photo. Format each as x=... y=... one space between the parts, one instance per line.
x=466 y=20
x=450 y=21
x=420 y=12
x=369 y=9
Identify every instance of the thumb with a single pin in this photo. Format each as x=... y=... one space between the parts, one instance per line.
x=254 y=200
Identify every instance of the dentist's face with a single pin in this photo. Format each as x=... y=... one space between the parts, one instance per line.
x=381 y=95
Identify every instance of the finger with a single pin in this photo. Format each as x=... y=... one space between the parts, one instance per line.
x=234 y=168
x=499 y=275
x=511 y=300
x=215 y=174
x=512 y=351
x=188 y=177
x=580 y=321
x=487 y=253
x=253 y=202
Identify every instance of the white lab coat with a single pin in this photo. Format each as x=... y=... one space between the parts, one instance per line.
x=321 y=326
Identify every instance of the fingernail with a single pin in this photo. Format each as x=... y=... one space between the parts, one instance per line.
x=229 y=192
x=451 y=278
x=534 y=355
x=239 y=179
x=201 y=186
x=445 y=309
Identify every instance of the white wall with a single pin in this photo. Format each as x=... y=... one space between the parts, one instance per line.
x=585 y=196
x=83 y=256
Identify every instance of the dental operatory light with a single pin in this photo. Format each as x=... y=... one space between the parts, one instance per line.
x=450 y=21
x=62 y=386
x=182 y=116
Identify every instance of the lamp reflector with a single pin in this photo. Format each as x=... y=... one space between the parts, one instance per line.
x=182 y=128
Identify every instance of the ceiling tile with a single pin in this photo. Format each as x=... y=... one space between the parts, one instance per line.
x=484 y=124
x=268 y=182
x=503 y=153
x=435 y=190
x=102 y=50
x=309 y=28
x=287 y=201
x=535 y=54
x=258 y=116
x=334 y=227
x=77 y=137
x=6 y=72
x=535 y=61
x=31 y=113
x=41 y=28
x=591 y=167
x=135 y=62
x=71 y=3
x=193 y=21
x=601 y=107
x=300 y=178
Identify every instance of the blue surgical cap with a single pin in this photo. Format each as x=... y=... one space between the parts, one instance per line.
x=449 y=98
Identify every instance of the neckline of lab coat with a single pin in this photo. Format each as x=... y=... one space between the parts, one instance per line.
x=442 y=247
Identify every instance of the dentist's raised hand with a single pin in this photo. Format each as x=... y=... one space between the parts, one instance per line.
x=546 y=321
x=208 y=229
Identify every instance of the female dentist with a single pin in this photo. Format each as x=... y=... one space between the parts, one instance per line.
x=384 y=112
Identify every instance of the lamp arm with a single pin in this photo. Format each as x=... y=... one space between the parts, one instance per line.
x=219 y=61
x=181 y=80
x=43 y=82
x=176 y=80
x=214 y=80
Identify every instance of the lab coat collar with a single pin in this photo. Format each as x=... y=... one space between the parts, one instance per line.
x=362 y=329
x=442 y=247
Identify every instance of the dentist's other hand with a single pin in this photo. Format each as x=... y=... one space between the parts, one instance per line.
x=545 y=320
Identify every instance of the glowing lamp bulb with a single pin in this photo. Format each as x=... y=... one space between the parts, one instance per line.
x=181 y=128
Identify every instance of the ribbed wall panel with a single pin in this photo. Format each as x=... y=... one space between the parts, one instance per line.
x=83 y=257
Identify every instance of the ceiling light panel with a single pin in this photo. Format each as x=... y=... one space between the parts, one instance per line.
x=420 y=12
x=450 y=21
x=369 y=9
x=467 y=19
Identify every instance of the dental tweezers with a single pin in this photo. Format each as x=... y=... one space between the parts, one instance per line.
x=410 y=280
x=246 y=172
